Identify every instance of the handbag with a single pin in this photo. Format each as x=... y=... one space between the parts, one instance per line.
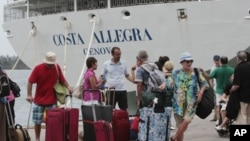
x=147 y=99
x=60 y=90
x=135 y=124
x=206 y=105
x=78 y=91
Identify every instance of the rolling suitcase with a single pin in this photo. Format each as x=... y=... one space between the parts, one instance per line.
x=97 y=122
x=15 y=132
x=154 y=126
x=62 y=124
x=120 y=122
x=121 y=125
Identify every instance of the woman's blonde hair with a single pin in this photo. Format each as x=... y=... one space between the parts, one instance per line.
x=169 y=66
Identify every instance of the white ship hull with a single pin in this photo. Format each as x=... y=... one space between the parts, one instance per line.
x=209 y=28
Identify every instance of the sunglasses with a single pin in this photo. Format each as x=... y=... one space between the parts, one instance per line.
x=188 y=61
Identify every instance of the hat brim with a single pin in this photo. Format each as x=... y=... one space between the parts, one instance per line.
x=187 y=59
x=48 y=62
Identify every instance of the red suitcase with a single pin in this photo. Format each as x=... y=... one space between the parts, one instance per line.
x=62 y=124
x=103 y=131
x=120 y=119
x=121 y=125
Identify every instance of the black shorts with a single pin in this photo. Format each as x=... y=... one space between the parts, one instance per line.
x=120 y=97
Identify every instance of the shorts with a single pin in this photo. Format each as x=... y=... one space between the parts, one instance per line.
x=223 y=106
x=38 y=111
x=120 y=97
x=218 y=99
x=179 y=119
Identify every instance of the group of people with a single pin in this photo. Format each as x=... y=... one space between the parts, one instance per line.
x=227 y=81
x=182 y=83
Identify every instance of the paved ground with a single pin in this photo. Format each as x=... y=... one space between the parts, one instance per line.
x=199 y=130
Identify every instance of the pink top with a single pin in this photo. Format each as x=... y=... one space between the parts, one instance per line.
x=87 y=86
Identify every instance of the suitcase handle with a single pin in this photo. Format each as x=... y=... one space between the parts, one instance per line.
x=91 y=90
x=109 y=89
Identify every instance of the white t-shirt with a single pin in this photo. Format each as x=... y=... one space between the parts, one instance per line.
x=115 y=74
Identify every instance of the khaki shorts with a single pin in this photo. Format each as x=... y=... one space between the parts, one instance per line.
x=244 y=114
x=179 y=119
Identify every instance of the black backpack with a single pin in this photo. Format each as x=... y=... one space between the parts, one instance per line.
x=4 y=85
x=15 y=88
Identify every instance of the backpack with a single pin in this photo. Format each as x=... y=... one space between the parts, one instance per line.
x=151 y=82
x=15 y=88
x=4 y=85
x=154 y=80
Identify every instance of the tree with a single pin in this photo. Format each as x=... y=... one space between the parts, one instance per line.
x=8 y=62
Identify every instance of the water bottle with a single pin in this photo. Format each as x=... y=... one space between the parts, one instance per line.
x=102 y=86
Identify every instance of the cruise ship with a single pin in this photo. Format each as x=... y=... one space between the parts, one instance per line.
x=75 y=29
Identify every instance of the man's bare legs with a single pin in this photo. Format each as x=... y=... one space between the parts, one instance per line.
x=37 y=131
x=217 y=112
x=179 y=135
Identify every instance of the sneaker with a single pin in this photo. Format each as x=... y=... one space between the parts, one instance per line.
x=212 y=120
x=172 y=128
x=217 y=123
x=219 y=128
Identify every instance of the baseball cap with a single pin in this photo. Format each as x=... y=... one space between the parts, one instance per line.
x=216 y=57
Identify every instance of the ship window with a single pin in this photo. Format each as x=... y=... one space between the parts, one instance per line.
x=91 y=16
x=126 y=14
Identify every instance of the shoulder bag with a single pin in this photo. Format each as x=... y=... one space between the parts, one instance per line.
x=206 y=105
x=60 y=90
x=233 y=105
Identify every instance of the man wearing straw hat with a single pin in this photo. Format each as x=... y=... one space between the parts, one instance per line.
x=45 y=75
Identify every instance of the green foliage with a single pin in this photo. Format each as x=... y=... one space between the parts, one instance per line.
x=8 y=62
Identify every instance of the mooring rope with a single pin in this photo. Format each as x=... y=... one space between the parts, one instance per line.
x=32 y=33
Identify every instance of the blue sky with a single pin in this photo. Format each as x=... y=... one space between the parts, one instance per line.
x=5 y=47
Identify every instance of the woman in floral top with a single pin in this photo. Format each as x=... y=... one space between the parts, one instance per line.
x=186 y=95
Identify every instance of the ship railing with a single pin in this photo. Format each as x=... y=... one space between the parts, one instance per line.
x=21 y=9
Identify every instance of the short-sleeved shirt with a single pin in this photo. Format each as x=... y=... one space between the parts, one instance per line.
x=222 y=76
x=115 y=74
x=214 y=80
x=87 y=86
x=45 y=79
x=186 y=88
x=241 y=78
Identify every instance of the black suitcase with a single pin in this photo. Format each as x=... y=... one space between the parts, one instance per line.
x=91 y=114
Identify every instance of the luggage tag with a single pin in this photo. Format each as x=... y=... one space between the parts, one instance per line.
x=157 y=108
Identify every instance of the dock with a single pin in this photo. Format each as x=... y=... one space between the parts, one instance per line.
x=198 y=130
